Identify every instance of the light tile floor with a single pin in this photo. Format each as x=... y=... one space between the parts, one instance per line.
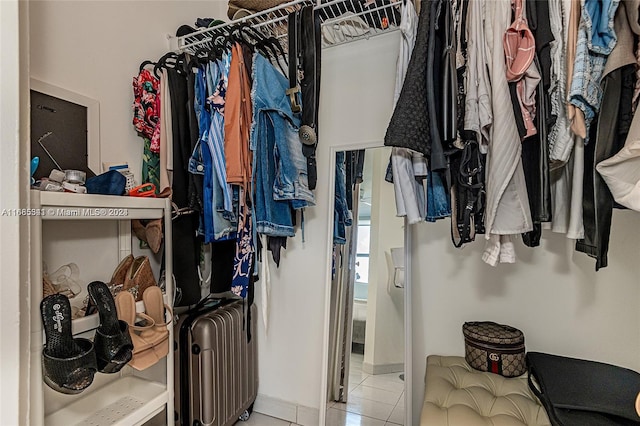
x=372 y=400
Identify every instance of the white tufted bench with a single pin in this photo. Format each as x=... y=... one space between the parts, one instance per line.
x=458 y=395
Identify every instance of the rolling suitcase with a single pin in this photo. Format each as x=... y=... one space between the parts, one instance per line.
x=216 y=374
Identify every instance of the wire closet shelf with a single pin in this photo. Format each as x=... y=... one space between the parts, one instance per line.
x=342 y=21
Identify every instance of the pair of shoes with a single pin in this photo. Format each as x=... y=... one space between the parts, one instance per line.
x=69 y=364
x=151 y=341
x=135 y=275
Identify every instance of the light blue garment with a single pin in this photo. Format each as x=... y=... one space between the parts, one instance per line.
x=438 y=201
x=280 y=169
x=596 y=40
x=341 y=214
x=200 y=160
x=224 y=221
x=219 y=72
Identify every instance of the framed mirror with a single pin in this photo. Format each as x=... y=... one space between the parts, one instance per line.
x=366 y=369
x=65 y=130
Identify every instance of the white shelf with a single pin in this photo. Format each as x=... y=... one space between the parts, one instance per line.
x=113 y=399
x=69 y=206
x=84 y=324
x=126 y=401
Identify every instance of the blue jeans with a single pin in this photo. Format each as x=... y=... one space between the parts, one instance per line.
x=200 y=161
x=341 y=213
x=438 y=202
x=280 y=179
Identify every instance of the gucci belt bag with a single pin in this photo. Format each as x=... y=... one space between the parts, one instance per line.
x=495 y=348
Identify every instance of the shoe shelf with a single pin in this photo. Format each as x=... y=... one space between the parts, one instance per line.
x=91 y=322
x=129 y=397
x=127 y=401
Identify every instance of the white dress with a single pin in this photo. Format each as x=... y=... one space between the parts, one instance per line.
x=507 y=209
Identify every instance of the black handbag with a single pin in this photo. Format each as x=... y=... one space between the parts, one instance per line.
x=576 y=392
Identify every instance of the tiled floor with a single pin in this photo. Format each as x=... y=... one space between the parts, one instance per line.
x=372 y=401
x=258 y=419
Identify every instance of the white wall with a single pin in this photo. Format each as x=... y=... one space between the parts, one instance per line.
x=94 y=48
x=14 y=230
x=352 y=111
x=552 y=294
x=384 y=343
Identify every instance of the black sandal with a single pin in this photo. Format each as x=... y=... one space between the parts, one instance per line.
x=114 y=348
x=68 y=364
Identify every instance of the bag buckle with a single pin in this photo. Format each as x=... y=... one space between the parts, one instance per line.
x=293 y=99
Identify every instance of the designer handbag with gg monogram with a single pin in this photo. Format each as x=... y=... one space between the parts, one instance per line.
x=495 y=348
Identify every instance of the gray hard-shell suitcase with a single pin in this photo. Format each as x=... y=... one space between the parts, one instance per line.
x=216 y=372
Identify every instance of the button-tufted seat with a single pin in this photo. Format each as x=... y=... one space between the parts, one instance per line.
x=458 y=395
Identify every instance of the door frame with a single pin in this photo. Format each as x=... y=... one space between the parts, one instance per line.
x=408 y=347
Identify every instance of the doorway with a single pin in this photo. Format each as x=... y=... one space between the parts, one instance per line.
x=366 y=378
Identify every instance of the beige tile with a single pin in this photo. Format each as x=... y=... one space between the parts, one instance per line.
x=308 y=416
x=357 y=377
x=384 y=381
x=366 y=407
x=344 y=418
x=375 y=394
x=392 y=424
x=257 y=419
x=397 y=415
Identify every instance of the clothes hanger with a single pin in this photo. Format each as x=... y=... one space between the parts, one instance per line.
x=163 y=62
x=144 y=64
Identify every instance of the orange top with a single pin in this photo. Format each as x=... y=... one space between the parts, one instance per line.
x=237 y=121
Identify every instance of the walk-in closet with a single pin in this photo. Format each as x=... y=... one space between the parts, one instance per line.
x=320 y=212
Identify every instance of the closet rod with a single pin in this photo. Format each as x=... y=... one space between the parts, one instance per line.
x=343 y=28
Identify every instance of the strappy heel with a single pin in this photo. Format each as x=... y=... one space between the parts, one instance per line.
x=155 y=307
x=112 y=342
x=144 y=355
x=68 y=364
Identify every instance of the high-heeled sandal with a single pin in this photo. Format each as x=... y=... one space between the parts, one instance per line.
x=68 y=364
x=113 y=345
x=155 y=307
x=149 y=231
x=116 y=284
x=143 y=354
x=120 y=273
x=139 y=277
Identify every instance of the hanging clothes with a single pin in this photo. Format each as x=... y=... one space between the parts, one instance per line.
x=409 y=168
x=237 y=121
x=186 y=253
x=281 y=183
x=146 y=108
x=596 y=40
x=608 y=133
x=166 y=142
x=410 y=123
x=478 y=114
x=507 y=211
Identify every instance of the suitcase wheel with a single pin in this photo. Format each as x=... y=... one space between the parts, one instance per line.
x=244 y=416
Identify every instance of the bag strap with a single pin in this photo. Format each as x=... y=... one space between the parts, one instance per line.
x=294 y=88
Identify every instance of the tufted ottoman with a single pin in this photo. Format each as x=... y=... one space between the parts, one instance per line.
x=458 y=395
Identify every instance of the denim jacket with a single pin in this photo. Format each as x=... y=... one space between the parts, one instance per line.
x=280 y=176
